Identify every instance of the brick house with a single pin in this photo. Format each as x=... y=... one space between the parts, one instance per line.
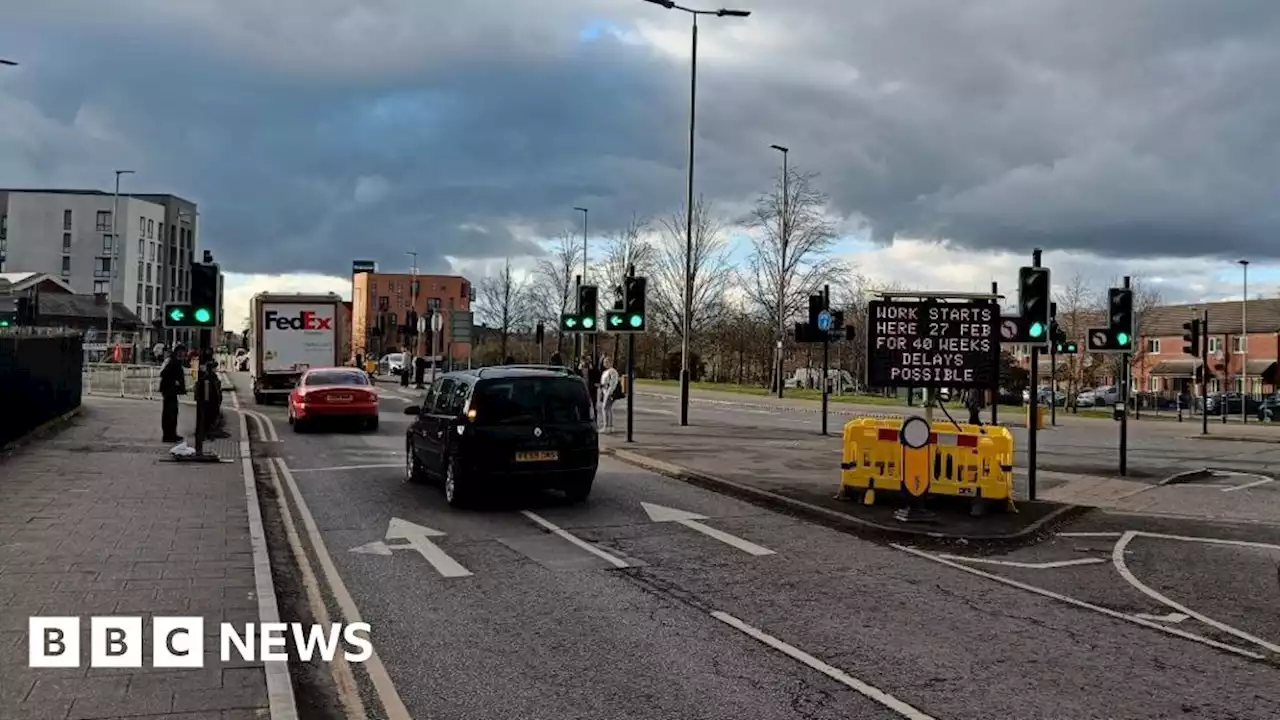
x=1238 y=361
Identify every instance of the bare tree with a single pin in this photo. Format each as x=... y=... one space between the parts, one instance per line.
x=710 y=271
x=551 y=292
x=503 y=303
x=791 y=249
x=1077 y=312
x=625 y=248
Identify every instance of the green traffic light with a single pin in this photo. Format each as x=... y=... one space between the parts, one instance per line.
x=588 y=322
x=203 y=315
x=615 y=320
x=636 y=321
x=176 y=314
x=570 y=322
x=1122 y=338
x=1036 y=330
x=4 y=323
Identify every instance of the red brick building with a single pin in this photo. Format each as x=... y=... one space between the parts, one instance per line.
x=1242 y=360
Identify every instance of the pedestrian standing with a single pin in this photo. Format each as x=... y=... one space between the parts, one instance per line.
x=609 y=393
x=973 y=401
x=173 y=383
x=556 y=359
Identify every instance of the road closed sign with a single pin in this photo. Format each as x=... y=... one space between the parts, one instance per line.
x=931 y=344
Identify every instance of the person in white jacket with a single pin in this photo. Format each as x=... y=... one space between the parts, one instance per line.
x=608 y=385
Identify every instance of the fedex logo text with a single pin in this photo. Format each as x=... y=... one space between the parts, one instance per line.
x=305 y=320
x=178 y=642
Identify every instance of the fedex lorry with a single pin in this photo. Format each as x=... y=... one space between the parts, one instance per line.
x=291 y=334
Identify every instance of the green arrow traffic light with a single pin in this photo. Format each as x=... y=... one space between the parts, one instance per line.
x=636 y=321
x=615 y=320
x=176 y=314
x=4 y=323
x=570 y=321
x=203 y=316
x=1036 y=330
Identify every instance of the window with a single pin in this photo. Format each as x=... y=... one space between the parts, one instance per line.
x=66 y=219
x=464 y=291
x=1153 y=384
x=1215 y=344
x=104 y=266
x=433 y=304
x=100 y=287
x=1153 y=346
x=66 y=242
x=384 y=303
x=444 y=394
x=139 y=299
x=103 y=222
x=142 y=224
x=142 y=249
x=172 y=293
x=106 y=244
x=66 y=265
x=532 y=400
x=173 y=234
x=152 y=257
x=335 y=377
x=1241 y=344
x=173 y=256
x=150 y=296
x=151 y=228
x=4 y=226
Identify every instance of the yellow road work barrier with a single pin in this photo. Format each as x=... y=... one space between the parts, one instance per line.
x=906 y=454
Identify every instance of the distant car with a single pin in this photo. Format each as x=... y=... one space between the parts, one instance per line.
x=1269 y=408
x=334 y=394
x=520 y=426
x=391 y=364
x=1086 y=399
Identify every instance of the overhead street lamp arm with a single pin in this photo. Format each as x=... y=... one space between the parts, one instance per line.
x=10 y=63
x=722 y=12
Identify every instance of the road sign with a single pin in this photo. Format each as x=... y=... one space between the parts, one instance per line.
x=422 y=324
x=437 y=322
x=1105 y=340
x=932 y=344
x=460 y=324
x=1009 y=330
x=824 y=321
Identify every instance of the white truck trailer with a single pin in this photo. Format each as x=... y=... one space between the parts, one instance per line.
x=291 y=334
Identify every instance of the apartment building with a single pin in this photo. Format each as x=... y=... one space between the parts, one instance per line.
x=70 y=235
x=375 y=293
x=1241 y=357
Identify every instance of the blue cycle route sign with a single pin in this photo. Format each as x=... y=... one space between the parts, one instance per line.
x=824 y=321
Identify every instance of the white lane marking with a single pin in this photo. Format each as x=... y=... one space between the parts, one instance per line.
x=1117 y=558
x=419 y=539
x=1168 y=617
x=662 y=513
x=377 y=547
x=1090 y=534
x=382 y=684
x=834 y=673
x=1246 y=486
x=1081 y=603
x=343 y=677
x=589 y=547
x=1027 y=565
x=655 y=411
x=1209 y=540
x=338 y=468
x=280 y=698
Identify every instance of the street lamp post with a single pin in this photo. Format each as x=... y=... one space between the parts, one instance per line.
x=1244 y=342
x=10 y=63
x=688 y=248
x=580 y=346
x=113 y=255
x=784 y=227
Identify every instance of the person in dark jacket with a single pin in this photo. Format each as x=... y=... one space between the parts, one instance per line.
x=214 y=419
x=556 y=359
x=973 y=401
x=173 y=383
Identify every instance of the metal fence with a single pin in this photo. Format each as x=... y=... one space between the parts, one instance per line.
x=40 y=379
x=122 y=380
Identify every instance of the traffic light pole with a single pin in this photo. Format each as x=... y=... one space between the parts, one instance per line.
x=826 y=346
x=1053 y=384
x=995 y=393
x=1204 y=374
x=1124 y=398
x=1033 y=415
x=631 y=367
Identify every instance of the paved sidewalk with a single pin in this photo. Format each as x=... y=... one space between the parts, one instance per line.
x=94 y=523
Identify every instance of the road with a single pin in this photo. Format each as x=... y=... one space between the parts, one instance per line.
x=1156 y=448
x=615 y=609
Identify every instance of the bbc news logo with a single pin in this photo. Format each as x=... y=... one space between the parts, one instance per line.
x=178 y=642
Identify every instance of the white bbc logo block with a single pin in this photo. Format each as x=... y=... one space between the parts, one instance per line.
x=53 y=642
x=115 y=642
x=177 y=642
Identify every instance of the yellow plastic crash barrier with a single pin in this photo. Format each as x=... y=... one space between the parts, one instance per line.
x=969 y=461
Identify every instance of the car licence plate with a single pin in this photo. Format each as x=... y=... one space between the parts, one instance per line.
x=543 y=456
x=339 y=398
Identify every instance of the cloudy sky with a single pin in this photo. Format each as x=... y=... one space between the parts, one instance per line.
x=1129 y=136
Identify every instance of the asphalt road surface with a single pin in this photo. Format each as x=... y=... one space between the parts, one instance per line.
x=1156 y=449
x=613 y=609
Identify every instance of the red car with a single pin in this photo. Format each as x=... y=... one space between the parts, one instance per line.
x=334 y=394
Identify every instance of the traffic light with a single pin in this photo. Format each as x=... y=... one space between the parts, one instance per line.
x=570 y=323
x=1191 y=337
x=633 y=298
x=1120 y=301
x=204 y=295
x=587 y=309
x=26 y=312
x=1033 y=304
x=539 y=333
x=817 y=303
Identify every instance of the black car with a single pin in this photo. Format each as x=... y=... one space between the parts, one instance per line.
x=527 y=426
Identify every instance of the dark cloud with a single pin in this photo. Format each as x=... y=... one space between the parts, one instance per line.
x=314 y=132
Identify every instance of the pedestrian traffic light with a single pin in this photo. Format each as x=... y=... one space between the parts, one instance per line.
x=205 y=303
x=539 y=332
x=1033 y=304
x=1120 y=302
x=587 y=308
x=1191 y=337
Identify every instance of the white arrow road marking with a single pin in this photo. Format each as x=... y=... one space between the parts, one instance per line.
x=661 y=513
x=1169 y=618
x=1246 y=486
x=377 y=547
x=419 y=539
x=1029 y=565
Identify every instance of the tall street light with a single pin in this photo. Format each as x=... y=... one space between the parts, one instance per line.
x=114 y=254
x=784 y=241
x=580 y=346
x=1244 y=346
x=10 y=63
x=688 y=221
